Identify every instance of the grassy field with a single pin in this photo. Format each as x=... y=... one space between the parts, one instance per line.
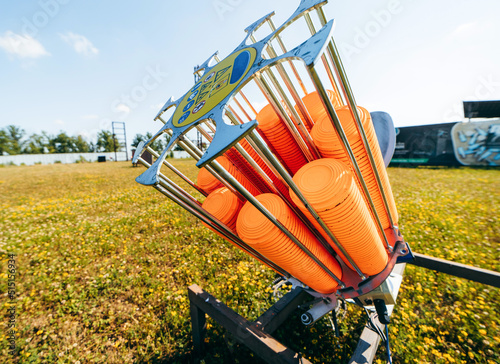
x=103 y=265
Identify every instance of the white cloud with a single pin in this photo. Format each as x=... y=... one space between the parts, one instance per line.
x=23 y=46
x=59 y=122
x=80 y=44
x=122 y=108
x=473 y=30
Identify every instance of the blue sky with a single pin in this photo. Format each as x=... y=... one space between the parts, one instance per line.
x=76 y=65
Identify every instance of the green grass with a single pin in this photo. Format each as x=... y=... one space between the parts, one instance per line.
x=103 y=265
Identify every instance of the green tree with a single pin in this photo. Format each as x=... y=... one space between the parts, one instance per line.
x=63 y=143
x=106 y=142
x=137 y=139
x=37 y=144
x=158 y=144
x=13 y=143
x=4 y=140
x=81 y=145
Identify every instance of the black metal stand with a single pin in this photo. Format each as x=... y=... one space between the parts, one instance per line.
x=255 y=335
x=475 y=274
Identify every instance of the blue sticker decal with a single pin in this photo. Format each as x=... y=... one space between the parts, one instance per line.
x=221 y=73
x=196 y=86
x=188 y=106
x=193 y=95
x=199 y=107
x=184 y=117
x=240 y=66
x=209 y=77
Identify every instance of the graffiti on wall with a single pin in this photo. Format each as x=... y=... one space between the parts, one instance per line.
x=477 y=143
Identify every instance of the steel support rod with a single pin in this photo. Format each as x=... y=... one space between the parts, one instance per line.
x=222 y=230
x=272 y=186
x=197 y=154
x=359 y=125
x=289 y=181
x=244 y=154
x=248 y=102
x=273 y=100
x=169 y=189
x=249 y=197
x=345 y=142
x=340 y=70
x=475 y=274
x=298 y=101
x=284 y=49
x=242 y=109
x=236 y=121
x=303 y=138
x=329 y=72
x=334 y=57
x=177 y=172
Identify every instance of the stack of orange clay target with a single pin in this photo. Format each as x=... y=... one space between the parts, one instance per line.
x=330 y=187
x=329 y=146
x=281 y=139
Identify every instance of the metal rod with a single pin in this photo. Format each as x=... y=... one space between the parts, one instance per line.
x=298 y=101
x=242 y=109
x=173 y=187
x=204 y=133
x=349 y=96
x=168 y=188
x=209 y=125
x=273 y=187
x=234 y=120
x=177 y=190
x=275 y=190
x=248 y=102
x=220 y=228
x=249 y=159
x=345 y=142
x=255 y=166
x=272 y=218
x=283 y=48
x=306 y=145
x=255 y=137
x=271 y=97
x=475 y=274
x=359 y=125
x=312 y=29
x=237 y=119
x=177 y=172
x=194 y=152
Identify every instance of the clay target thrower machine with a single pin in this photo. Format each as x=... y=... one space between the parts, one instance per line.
x=293 y=174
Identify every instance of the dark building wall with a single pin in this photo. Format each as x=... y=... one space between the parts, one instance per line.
x=425 y=145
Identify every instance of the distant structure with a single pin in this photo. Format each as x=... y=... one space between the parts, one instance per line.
x=64 y=158
x=119 y=138
x=475 y=142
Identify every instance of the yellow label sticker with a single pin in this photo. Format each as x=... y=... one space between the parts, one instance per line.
x=213 y=87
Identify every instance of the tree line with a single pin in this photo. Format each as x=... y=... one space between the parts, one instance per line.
x=158 y=144
x=13 y=140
